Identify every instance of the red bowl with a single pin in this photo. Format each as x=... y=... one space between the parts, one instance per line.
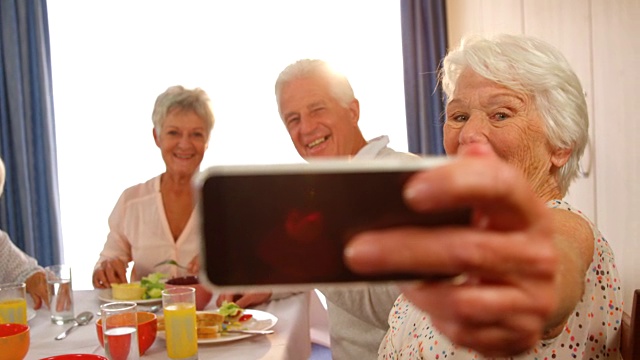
x=203 y=296
x=14 y=341
x=147 y=330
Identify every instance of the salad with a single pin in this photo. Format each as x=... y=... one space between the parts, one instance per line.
x=153 y=285
x=233 y=314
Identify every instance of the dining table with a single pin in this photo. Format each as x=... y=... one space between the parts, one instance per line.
x=290 y=339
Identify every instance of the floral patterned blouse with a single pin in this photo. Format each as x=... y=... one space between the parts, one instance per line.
x=591 y=332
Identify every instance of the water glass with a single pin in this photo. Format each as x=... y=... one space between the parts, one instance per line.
x=60 y=293
x=120 y=330
x=13 y=303
x=179 y=306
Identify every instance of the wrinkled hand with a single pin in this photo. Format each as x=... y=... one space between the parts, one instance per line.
x=505 y=295
x=244 y=300
x=112 y=271
x=36 y=286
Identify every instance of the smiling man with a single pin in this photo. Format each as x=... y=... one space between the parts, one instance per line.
x=320 y=111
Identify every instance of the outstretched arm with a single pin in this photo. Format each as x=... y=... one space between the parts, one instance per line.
x=505 y=264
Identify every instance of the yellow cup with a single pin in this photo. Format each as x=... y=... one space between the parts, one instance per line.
x=13 y=304
x=179 y=306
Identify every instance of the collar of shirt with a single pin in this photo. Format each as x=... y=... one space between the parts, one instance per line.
x=372 y=148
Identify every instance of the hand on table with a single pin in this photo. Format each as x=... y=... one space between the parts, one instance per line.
x=244 y=300
x=36 y=286
x=501 y=302
x=111 y=271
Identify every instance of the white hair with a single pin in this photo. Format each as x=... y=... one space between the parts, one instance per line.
x=534 y=67
x=338 y=83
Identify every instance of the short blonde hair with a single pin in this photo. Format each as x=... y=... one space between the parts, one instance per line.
x=178 y=97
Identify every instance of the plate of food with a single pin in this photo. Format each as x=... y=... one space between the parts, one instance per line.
x=106 y=295
x=146 y=291
x=213 y=326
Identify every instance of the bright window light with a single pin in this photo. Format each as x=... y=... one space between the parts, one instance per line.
x=111 y=59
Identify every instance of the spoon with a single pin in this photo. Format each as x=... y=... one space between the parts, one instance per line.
x=82 y=319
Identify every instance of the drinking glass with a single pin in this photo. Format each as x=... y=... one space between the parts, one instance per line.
x=60 y=293
x=120 y=330
x=13 y=303
x=179 y=306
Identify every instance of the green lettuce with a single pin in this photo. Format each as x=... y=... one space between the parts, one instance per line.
x=153 y=285
x=229 y=309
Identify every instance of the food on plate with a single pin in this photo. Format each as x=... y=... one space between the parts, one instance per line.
x=153 y=285
x=232 y=313
x=211 y=324
x=132 y=291
x=150 y=287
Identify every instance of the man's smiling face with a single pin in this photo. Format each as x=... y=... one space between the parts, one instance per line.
x=319 y=125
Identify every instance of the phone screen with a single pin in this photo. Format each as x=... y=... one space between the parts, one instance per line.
x=291 y=228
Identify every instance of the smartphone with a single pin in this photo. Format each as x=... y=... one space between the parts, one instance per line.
x=285 y=226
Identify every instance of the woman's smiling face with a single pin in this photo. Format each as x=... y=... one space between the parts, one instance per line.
x=482 y=110
x=182 y=140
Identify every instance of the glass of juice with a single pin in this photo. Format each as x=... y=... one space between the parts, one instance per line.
x=179 y=306
x=13 y=303
x=120 y=330
x=60 y=293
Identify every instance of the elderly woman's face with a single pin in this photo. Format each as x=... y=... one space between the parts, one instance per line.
x=182 y=140
x=481 y=110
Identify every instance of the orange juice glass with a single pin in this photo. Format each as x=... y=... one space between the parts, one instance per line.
x=13 y=304
x=179 y=306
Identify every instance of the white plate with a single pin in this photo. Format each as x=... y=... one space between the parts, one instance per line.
x=30 y=313
x=261 y=320
x=105 y=295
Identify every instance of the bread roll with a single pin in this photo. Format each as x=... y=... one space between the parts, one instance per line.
x=208 y=324
x=208 y=332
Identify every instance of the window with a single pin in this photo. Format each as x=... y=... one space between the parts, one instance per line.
x=111 y=59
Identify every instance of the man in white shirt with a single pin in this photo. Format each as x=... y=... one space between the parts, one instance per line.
x=321 y=113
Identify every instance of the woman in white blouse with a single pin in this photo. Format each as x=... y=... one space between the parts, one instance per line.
x=156 y=221
x=18 y=267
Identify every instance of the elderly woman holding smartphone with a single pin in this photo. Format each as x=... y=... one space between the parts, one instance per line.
x=534 y=281
x=156 y=221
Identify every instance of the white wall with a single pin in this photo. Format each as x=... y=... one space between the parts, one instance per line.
x=600 y=40
x=112 y=58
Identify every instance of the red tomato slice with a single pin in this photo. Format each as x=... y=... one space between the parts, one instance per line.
x=245 y=317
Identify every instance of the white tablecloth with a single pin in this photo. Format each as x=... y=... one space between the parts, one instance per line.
x=290 y=341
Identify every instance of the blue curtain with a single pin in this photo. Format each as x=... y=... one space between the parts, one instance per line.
x=424 y=45
x=29 y=207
